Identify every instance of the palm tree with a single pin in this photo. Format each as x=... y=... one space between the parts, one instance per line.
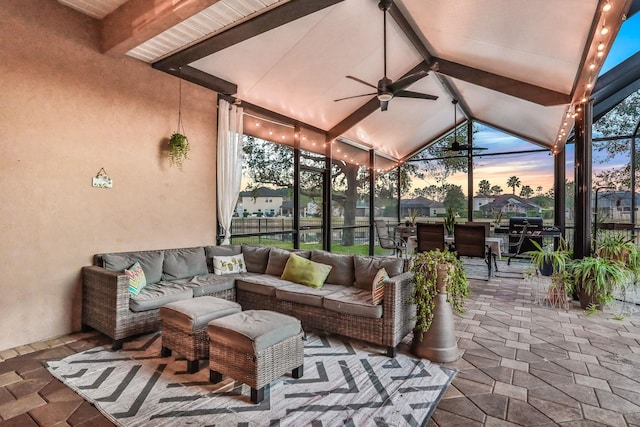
x=496 y=190
x=514 y=182
x=526 y=191
x=484 y=188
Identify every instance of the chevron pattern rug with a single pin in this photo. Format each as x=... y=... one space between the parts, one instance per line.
x=345 y=382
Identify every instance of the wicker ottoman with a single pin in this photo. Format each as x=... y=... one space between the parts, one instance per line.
x=184 y=326
x=255 y=347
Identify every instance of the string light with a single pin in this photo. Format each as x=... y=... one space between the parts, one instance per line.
x=604 y=31
x=607 y=7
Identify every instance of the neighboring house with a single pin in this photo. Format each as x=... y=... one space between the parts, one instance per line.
x=423 y=206
x=615 y=204
x=510 y=203
x=480 y=201
x=362 y=208
x=262 y=199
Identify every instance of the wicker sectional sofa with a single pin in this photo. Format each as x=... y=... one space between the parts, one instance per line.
x=343 y=304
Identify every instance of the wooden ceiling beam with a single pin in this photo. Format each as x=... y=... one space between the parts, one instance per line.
x=526 y=91
x=257 y=25
x=137 y=21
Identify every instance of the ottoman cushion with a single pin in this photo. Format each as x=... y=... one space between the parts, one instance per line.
x=252 y=331
x=195 y=313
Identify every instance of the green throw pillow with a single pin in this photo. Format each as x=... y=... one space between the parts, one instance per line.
x=306 y=272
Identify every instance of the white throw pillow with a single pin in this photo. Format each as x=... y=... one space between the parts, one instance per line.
x=229 y=264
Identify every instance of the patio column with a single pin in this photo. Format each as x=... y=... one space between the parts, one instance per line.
x=583 y=160
x=559 y=190
x=470 y=171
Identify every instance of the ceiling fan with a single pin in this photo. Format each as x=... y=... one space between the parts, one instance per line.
x=455 y=145
x=388 y=89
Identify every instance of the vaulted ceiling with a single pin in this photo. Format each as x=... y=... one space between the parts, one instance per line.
x=520 y=66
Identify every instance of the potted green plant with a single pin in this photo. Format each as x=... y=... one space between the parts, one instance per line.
x=450 y=221
x=440 y=286
x=614 y=246
x=553 y=262
x=596 y=279
x=178 y=149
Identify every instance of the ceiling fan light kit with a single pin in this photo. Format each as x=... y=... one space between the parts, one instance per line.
x=386 y=89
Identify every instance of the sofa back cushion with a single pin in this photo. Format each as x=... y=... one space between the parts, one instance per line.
x=342 y=273
x=183 y=263
x=256 y=258
x=150 y=261
x=278 y=258
x=368 y=266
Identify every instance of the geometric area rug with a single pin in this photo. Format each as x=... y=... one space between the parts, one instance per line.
x=345 y=383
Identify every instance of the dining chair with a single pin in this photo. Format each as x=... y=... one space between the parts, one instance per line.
x=386 y=241
x=470 y=241
x=429 y=237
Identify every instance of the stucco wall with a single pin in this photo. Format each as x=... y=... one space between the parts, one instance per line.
x=66 y=110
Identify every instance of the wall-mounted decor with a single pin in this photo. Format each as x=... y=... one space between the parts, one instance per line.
x=102 y=180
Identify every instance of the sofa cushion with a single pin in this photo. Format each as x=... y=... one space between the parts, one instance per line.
x=305 y=272
x=195 y=313
x=342 y=272
x=261 y=284
x=229 y=264
x=183 y=263
x=158 y=294
x=278 y=258
x=150 y=261
x=256 y=258
x=368 y=266
x=253 y=331
x=352 y=301
x=302 y=294
x=137 y=281
x=212 y=283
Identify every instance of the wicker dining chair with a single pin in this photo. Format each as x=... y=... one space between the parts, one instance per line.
x=470 y=241
x=429 y=237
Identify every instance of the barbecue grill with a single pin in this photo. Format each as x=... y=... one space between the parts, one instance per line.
x=533 y=226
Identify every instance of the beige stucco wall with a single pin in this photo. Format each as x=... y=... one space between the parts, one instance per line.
x=66 y=110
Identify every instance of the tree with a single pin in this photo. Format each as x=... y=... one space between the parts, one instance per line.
x=455 y=198
x=269 y=163
x=514 y=182
x=539 y=190
x=620 y=121
x=496 y=190
x=484 y=188
x=526 y=191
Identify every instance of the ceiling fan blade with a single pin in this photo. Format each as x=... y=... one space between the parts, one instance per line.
x=402 y=83
x=417 y=95
x=384 y=105
x=355 y=96
x=362 y=81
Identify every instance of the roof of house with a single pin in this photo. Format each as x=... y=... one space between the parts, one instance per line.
x=263 y=192
x=420 y=202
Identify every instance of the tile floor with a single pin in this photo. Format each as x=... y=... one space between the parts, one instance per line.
x=521 y=363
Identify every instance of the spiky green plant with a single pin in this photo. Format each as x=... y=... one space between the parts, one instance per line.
x=614 y=246
x=598 y=277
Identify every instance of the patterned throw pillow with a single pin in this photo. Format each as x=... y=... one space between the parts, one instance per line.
x=137 y=279
x=229 y=264
x=377 y=288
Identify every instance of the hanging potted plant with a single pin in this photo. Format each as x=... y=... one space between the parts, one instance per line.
x=178 y=149
x=178 y=143
x=440 y=287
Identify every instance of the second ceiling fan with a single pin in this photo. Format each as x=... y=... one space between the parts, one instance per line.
x=387 y=89
x=455 y=145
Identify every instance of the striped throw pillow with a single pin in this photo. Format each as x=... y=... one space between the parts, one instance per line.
x=377 y=289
